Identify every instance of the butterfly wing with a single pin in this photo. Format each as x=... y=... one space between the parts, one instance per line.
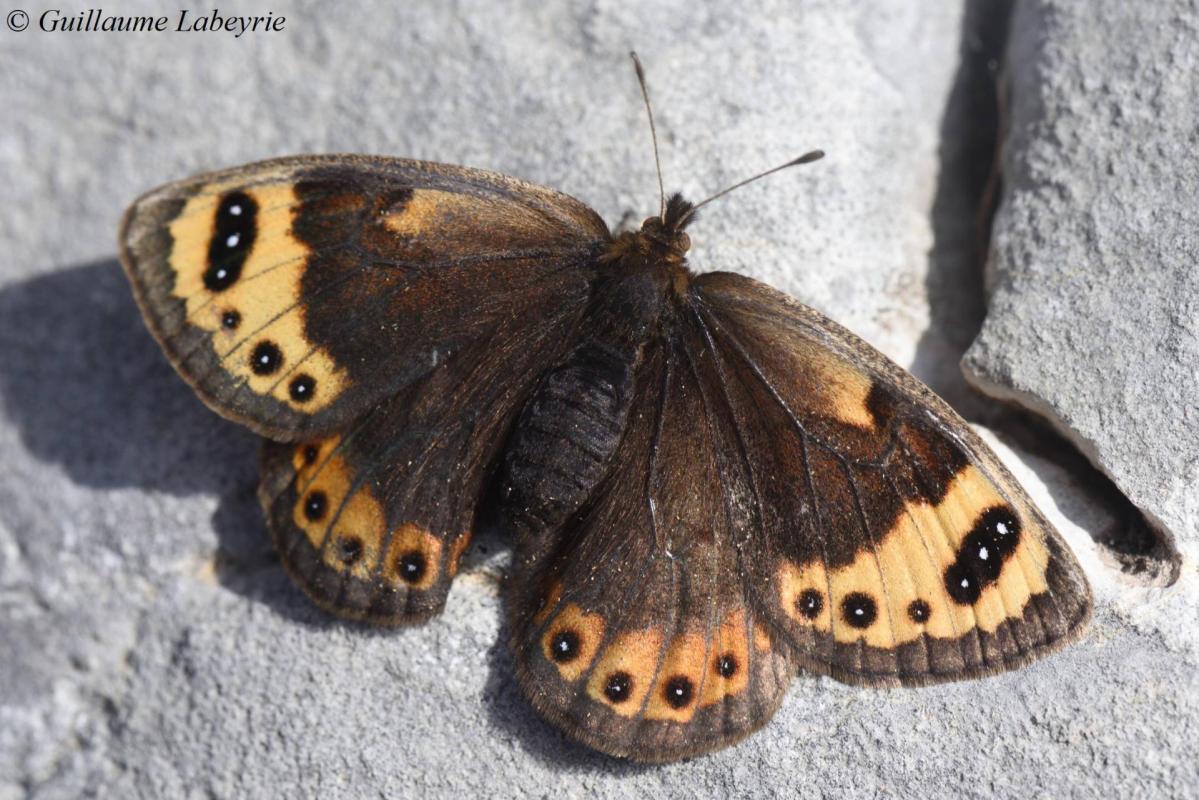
x=783 y=495
x=384 y=318
x=633 y=626
x=889 y=544
x=295 y=294
x=371 y=521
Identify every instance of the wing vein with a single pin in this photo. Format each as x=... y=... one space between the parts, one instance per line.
x=803 y=449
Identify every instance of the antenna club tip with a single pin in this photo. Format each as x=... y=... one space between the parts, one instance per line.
x=637 y=64
x=808 y=158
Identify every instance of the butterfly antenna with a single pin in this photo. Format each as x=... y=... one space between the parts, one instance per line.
x=806 y=158
x=653 y=132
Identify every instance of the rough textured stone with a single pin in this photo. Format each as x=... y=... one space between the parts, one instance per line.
x=152 y=645
x=1093 y=315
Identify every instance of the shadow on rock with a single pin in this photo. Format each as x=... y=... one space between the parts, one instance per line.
x=961 y=214
x=87 y=388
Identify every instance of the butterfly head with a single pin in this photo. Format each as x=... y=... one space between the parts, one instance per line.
x=664 y=235
x=661 y=241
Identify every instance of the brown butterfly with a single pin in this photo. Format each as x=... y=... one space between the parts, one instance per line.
x=708 y=484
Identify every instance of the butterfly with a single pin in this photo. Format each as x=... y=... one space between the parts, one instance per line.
x=708 y=485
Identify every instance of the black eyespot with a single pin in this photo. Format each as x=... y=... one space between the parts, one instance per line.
x=266 y=358
x=726 y=665
x=962 y=585
x=678 y=691
x=302 y=388
x=349 y=549
x=232 y=239
x=859 y=610
x=314 y=505
x=564 y=647
x=810 y=603
x=411 y=566
x=919 y=611
x=981 y=556
x=1002 y=528
x=230 y=319
x=618 y=687
x=310 y=454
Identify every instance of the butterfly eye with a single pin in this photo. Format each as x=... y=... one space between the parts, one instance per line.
x=618 y=687
x=919 y=610
x=684 y=242
x=301 y=388
x=266 y=358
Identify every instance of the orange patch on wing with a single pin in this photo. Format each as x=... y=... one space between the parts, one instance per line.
x=266 y=296
x=457 y=548
x=909 y=566
x=412 y=544
x=682 y=668
x=845 y=389
x=589 y=632
x=452 y=224
x=761 y=638
x=730 y=648
x=307 y=457
x=834 y=386
x=548 y=603
x=635 y=655
x=327 y=499
x=798 y=586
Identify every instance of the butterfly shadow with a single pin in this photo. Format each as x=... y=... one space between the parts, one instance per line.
x=87 y=389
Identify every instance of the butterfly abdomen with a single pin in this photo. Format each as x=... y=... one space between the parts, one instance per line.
x=565 y=438
x=568 y=431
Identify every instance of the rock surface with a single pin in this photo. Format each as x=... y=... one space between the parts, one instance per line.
x=1093 y=314
x=154 y=647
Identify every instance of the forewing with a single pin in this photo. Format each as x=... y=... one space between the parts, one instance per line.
x=299 y=293
x=632 y=626
x=886 y=542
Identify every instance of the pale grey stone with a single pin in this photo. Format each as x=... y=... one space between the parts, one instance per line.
x=1093 y=318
